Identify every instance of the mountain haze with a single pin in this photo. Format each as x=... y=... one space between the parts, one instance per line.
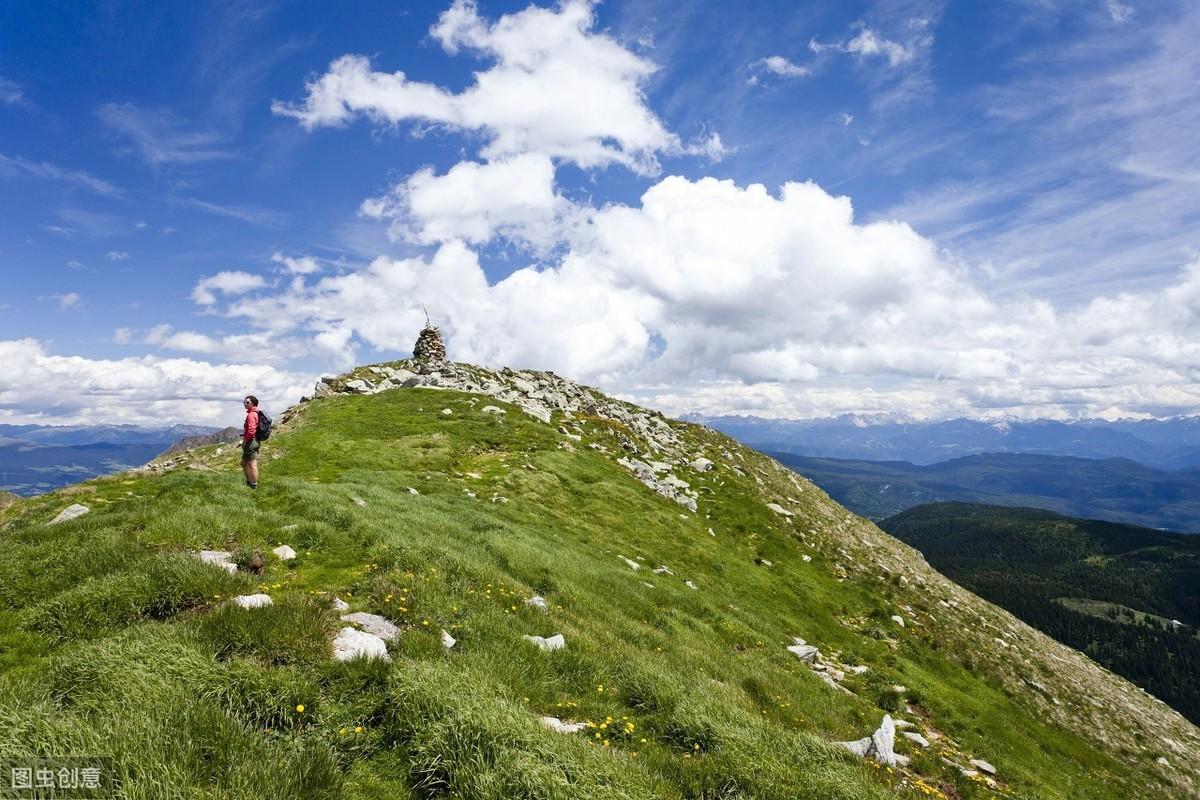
x=678 y=566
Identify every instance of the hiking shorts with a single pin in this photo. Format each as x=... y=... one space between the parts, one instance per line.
x=250 y=451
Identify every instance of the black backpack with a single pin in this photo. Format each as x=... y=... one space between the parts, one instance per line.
x=264 y=427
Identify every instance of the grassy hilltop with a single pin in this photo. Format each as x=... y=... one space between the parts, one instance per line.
x=116 y=641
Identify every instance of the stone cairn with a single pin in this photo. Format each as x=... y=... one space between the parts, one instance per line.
x=429 y=346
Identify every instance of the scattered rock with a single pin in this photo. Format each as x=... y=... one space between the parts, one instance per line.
x=73 y=511
x=358 y=501
x=253 y=600
x=899 y=620
x=701 y=465
x=829 y=681
x=358 y=386
x=538 y=602
x=218 y=558
x=690 y=585
x=411 y=490
x=1162 y=761
x=493 y=410
x=663 y=570
x=806 y=558
x=447 y=412
x=778 y=509
x=803 y=651
x=284 y=552
x=555 y=642
x=373 y=624
x=915 y=738
x=448 y=641
x=558 y=726
x=983 y=766
x=339 y=604
x=353 y=643
x=879 y=745
x=630 y=562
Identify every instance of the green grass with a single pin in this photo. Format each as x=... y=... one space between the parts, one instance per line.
x=113 y=643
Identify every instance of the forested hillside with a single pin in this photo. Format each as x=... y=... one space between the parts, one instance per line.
x=1129 y=597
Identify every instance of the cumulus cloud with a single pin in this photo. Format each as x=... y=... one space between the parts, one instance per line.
x=778 y=65
x=514 y=196
x=38 y=386
x=1120 y=13
x=304 y=265
x=557 y=88
x=228 y=283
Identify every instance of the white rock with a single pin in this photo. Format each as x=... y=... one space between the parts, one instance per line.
x=493 y=410
x=983 y=766
x=218 y=558
x=804 y=652
x=359 y=386
x=1162 y=761
x=411 y=490
x=859 y=669
x=663 y=570
x=538 y=602
x=373 y=624
x=690 y=585
x=447 y=412
x=448 y=641
x=339 y=604
x=253 y=600
x=916 y=738
x=899 y=620
x=555 y=642
x=284 y=552
x=806 y=558
x=358 y=501
x=828 y=680
x=879 y=745
x=630 y=562
x=73 y=511
x=353 y=643
x=778 y=509
x=902 y=724
x=558 y=726
x=701 y=465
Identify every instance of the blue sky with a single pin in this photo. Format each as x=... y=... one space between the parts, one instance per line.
x=992 y=207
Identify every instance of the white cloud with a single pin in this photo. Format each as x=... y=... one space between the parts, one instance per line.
x=37 y=386
x=254 y=215
x=556 y=88
x=66 y=301
x=122 y=335
x=160 y=137
x=473 y=202
x=117 y=255
x=778 y=65
x=228 y=283
x=869 y=43
x=305 y=265
x=1118 y=12
x=10 y=92
x=42 y=169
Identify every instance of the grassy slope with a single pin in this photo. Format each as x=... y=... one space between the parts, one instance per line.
x=113 y=642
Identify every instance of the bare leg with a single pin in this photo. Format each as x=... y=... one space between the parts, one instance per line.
x=252 y=471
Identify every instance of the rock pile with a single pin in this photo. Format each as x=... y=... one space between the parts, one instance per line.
x=429 y=346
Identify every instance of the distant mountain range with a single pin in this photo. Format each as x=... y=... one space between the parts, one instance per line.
x=1127 y=596
x=1114 y=489
x=1165 y=444
x=39 y=458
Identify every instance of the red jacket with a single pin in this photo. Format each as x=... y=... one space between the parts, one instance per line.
x=251 y=426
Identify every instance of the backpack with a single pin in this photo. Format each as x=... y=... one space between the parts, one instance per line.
x=263 y=432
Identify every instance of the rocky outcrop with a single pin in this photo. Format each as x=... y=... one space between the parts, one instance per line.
x=73 y=511
x=223 y=436
x=879 y=745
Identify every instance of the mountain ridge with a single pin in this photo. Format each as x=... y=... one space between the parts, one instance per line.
x=387 y=452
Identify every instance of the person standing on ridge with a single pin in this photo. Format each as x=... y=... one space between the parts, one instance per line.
x=250 y=441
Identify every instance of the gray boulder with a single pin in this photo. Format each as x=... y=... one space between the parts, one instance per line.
x=373 y=624
x=879 y=745
x=353 y=643
x=73 y=511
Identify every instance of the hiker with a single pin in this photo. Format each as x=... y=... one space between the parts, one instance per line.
x=250 y=441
